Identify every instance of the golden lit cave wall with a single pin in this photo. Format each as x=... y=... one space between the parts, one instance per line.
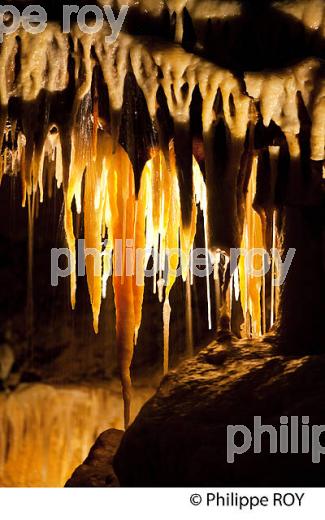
x=46 y=431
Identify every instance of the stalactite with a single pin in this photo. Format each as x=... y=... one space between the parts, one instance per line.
x=172 y=246
x=189 y=317
x=178 y=82
x=251 y=285
x=318 y=125
x=207 y=276
x=176 y=7
x=166 y=320
x=217 y=288
x=273 y=274
x=7 y=67
x=30 y=272
x=225 y=118
x=114 y=62
x=311 y=13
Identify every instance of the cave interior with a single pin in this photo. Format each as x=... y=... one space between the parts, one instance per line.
x=199 y=131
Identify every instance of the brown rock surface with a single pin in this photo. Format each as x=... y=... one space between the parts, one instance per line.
x=97 y=470
x=180 y=436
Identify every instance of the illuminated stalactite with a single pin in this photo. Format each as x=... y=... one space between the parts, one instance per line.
x=159 y=210
x=251 y=286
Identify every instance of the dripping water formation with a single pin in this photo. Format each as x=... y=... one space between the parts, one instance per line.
x=173 y=138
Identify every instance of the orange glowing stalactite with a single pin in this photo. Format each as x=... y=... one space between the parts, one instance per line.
x=163 y=228
x=164 y=231
x=251 y=284
x=93 y=215
x=122 y=200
